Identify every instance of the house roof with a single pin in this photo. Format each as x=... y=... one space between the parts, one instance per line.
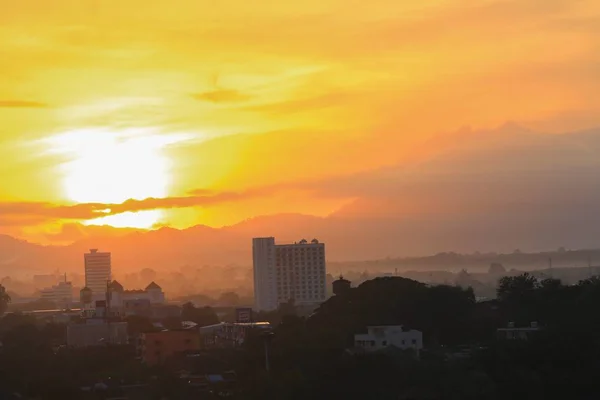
x=153 y=285
x=115 y=285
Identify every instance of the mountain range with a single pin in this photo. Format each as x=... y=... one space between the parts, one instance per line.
x=495 y=190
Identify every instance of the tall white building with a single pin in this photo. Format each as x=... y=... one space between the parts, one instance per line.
x=288 y=271
x=97 y=272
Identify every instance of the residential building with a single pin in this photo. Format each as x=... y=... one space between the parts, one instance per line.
x=163 y=311
x=284 y=272
x=61 y=294
x=97 y=332
x=513 y=332
x=120 y=299
x=140 y=307
x=380 y=337
x=227 y=334
x=157 y=347
x=97 y=272
x=45 y=280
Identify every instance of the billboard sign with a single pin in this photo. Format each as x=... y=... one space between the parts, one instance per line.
x=243 y=315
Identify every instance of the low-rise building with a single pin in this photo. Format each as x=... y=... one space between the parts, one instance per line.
x=227 y=334
x=380 y=337
x=141 y=307
x=119 y=297
x=97 y=332
x=60 y=294
x=157 y=347
x=513 y=332
x=164 y=311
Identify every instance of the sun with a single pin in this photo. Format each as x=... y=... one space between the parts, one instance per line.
x=111 y=167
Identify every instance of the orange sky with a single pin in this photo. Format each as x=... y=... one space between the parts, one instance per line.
x=223 y=109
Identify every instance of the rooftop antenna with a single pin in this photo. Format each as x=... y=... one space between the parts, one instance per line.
x=589 y=260
x=550 y=267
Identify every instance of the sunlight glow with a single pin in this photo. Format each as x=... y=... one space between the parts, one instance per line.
x=141 y=219
x=111 y=167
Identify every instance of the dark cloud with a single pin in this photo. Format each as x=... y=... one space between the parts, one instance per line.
x=21 y=104
x=15 y=212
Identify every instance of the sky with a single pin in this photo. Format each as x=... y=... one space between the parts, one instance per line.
x=176 y=113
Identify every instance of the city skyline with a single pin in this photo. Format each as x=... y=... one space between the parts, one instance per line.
x=208 y=120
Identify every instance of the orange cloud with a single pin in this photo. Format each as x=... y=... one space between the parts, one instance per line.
x=222 y=96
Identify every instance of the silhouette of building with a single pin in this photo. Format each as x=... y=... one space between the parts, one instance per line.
x=158 y=347
x=381 y=337
x=97 y=272
x=228 y=334
x=513 y=332
x=97 y=332
x=126 y=302
x=283 y=272
x=61 y=294
x=97 y=328
x=341 y=286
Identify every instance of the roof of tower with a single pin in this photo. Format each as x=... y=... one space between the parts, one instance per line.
x=116 y=286
x=153 y=285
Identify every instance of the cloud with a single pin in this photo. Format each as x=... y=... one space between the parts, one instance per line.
x=301 y=105
x=222 y=96
x=17 y=212
x=21 y=104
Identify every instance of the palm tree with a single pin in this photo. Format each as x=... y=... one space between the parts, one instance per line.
x=4 y=300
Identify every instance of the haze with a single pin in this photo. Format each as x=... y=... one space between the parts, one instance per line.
x=336 y=119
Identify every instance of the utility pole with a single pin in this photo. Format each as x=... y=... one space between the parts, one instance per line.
x=267 y=337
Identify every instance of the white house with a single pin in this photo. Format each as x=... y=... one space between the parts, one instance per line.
x=380 y=337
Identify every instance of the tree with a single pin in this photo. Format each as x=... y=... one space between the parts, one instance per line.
x=517 y=288
x=496 y=269
x=148 y=275
x=229 y=299
x=137 y=324
x=203 y=316
x=4 y=300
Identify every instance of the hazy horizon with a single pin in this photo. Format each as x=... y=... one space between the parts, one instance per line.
x=399 y=129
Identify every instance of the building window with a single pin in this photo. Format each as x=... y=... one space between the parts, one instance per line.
x=414 y=341
x=403 y=342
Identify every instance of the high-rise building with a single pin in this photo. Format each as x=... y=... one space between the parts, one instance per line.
x=97 y=272
x=284 y=272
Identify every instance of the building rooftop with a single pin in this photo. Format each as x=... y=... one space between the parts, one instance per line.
x=116 y=286
x=153 y=285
